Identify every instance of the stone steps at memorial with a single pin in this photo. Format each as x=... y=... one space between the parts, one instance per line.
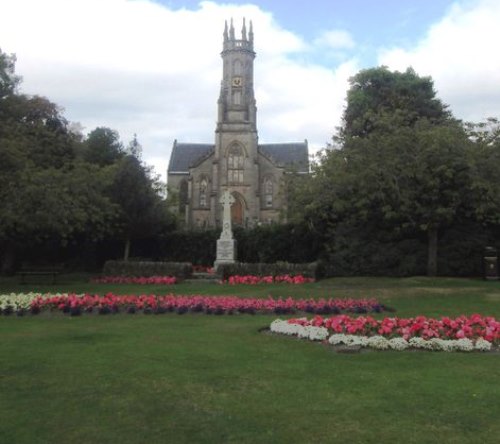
x=203 y=278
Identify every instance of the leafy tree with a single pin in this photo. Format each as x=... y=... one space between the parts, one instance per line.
x=103 y=147
x=46 y=192
x=143 y=211
x=134 y=148
x=401 y=165
x=34 y=128
x=486 y=133
x=56 y=203
x=380 y=99
x=8 y=78
x=413 y=178
x=485 y=161
x=56 y=187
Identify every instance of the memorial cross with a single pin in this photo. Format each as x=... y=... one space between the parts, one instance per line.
x=226 y=200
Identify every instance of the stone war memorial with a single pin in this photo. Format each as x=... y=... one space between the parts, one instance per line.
x=252 y=172
x=226 y=244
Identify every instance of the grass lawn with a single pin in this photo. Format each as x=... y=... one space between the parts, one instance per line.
x=216 y=379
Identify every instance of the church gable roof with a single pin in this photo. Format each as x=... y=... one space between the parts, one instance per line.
x=295 y=155
x=186 y=155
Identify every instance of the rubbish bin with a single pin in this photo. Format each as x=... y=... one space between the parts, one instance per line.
x=490 y=263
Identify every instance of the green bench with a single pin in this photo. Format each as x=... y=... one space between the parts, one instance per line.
x=28 y=272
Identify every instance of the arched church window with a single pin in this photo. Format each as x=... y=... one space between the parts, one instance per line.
x=203 y=192
x=268 y=191
x=235 y=163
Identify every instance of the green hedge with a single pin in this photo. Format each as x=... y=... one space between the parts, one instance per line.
x=264 y=244
x=277 y=243
x=310 y=270
x=197 y=247
x=363 y=249
x=181 y=270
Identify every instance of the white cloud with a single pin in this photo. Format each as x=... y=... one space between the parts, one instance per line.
x=336 y=39
x=460 y=52
x=139 y=67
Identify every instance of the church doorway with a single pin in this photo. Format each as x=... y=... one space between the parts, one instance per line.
x=237 y=211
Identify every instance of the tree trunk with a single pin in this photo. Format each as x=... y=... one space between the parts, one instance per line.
x=126 y=252
x=432 y=237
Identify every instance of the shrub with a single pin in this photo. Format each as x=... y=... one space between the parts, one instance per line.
x=181 y=270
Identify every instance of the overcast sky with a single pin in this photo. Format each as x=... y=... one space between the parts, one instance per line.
x=154 y=67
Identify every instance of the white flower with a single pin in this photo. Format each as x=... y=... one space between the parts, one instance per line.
x=439 y=344
x=482 y=344
x=398 y=344
x=306 y=332
x=378 y=342
x=417 y=342
x=17 y=302
x=445 y=345
x=303 y=332
x=284 y=328
x=275 y=325
x=349 y=340
x=336 y=339
x=318 y=333
x=464 y=344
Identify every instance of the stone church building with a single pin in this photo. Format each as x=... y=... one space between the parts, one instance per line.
x=252 y=172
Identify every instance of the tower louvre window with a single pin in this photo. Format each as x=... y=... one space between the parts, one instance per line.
x=237 y=67
x=237 y=97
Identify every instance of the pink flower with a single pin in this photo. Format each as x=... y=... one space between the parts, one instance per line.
x=157 y=280
x=473 y=327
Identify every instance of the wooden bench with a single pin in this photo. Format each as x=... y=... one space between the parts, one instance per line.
x=28 y=271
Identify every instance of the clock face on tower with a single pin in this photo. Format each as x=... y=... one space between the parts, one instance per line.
x=237 y=81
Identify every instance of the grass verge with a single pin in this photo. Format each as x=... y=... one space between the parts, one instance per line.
x=208 y=379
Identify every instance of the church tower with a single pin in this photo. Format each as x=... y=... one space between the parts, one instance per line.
x=237 y=99
x=235 y=161
x=236 y=142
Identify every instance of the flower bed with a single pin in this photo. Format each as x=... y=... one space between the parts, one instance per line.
x=111 y=303
x=16 y=303
x=232 y=280
x=158 y=280
x=464 y=333
x=253 y=280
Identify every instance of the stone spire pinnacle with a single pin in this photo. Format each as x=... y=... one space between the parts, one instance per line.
x=244 y=31
x=226 y=37
x=231 y=30
x=250 y=34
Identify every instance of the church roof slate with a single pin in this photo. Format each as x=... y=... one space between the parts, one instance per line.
x=294 y=154
x=186 y=155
